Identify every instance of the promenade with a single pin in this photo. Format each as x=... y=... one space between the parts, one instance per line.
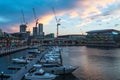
x=11 y=50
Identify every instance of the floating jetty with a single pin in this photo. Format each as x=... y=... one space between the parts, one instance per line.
x=14 y=67
x=5 y=76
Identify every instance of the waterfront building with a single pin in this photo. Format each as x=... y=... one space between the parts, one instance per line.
x=8 y=40
x=72 y=36
x=51 y=35
x=103 y=38
x=74 y=39
x=23 y=28
x=21 y=35
x=24 y=37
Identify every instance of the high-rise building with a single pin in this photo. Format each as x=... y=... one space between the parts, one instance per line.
x=40 y=28
x=40 y=32
x=23 y=28
x=34 y=31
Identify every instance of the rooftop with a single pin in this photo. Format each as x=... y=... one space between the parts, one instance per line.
x=102 y=31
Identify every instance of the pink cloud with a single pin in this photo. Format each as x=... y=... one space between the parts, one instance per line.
x=93 y=7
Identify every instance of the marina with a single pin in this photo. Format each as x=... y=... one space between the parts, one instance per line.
x=99 y=62
x=19 y=75
x=49 y=65
x=59 y=40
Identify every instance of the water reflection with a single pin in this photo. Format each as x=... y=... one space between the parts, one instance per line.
x=66 y=77
x=94 y=63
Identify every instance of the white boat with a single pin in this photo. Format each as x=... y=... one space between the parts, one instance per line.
x=37 y=65
x=57 y=49
x=33 y=51
x=50 y=57
x=40 y=75
x=20 y=60
x=58 y=69
x=51 y=60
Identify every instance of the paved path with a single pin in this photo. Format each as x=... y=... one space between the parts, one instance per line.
x=8 y=51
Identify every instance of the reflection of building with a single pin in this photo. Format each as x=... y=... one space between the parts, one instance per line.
x=23 y=28
x=103 y=38
x=51 y=35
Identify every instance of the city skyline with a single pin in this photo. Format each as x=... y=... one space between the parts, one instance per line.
x=77 y=16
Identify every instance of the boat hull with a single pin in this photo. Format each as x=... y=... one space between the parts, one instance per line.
x=60 y=70
x=47 y=76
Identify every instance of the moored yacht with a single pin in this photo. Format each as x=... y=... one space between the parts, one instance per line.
x=56 y=68
x=34 y=51
x=59 y=69
x=40 y=75
x=20 y=60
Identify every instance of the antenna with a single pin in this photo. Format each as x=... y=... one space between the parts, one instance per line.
x=57 y=21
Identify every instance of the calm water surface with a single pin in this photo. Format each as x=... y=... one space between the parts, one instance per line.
x=5 y=61
x=94 y=63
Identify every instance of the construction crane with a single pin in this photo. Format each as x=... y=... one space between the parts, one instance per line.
x=57 y=21
x=23 y=17
x=36 y=20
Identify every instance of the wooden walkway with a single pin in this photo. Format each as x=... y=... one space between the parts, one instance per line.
x=20 y=74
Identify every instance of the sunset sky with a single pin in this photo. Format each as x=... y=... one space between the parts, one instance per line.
x=77 y=16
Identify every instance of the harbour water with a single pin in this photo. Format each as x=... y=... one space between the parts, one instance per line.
x=5 y=61
x=94 y=63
